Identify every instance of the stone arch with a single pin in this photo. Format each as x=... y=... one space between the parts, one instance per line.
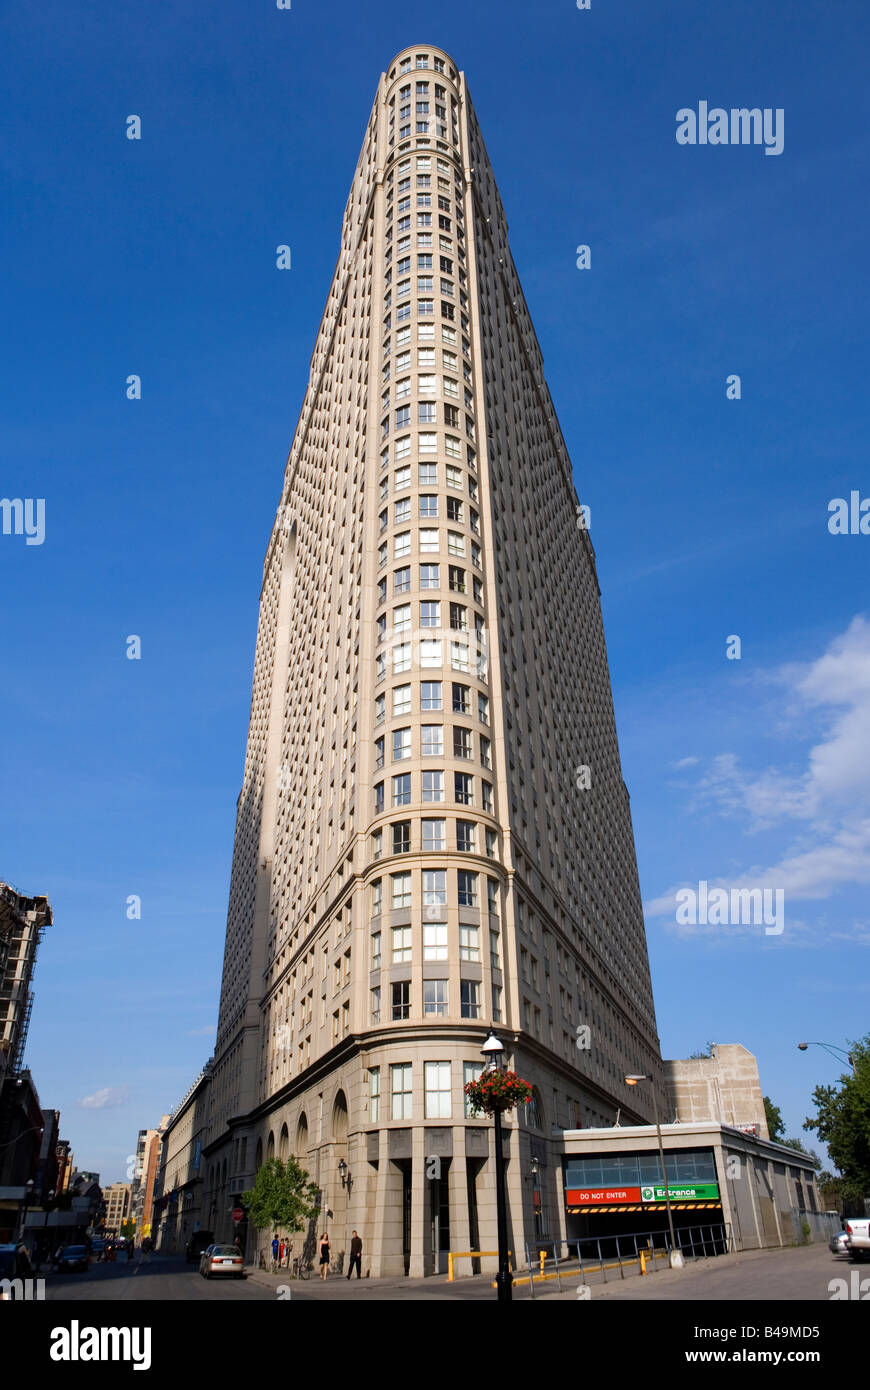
x=284 y=1143
x=302 y=1136
x=258 y=1158
x=339 y=1117
x=270 y=1146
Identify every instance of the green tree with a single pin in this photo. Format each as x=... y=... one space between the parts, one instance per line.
x=842 y=1120
x=775 y=1122
x=699 y=1056
x=801 y=1148
x=128 y=1229
x=838 y=1194
x=282 y=1197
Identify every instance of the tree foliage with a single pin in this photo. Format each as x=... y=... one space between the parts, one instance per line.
x=839 y=1194
x=775 y=1122
x=283 y=1197
x=842 y=1120
x=801 y=1148
x=701 y=1055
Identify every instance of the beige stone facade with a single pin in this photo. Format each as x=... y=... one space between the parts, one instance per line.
x=178 y=1197
x=117 y=1198
x=417 y=854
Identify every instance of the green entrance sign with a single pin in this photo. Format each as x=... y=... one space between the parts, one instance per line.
x=699 y=1192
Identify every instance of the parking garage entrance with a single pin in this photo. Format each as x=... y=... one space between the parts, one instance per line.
x=610 y=1196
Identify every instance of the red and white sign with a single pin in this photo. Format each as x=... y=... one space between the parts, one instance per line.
x=238 y=1214
x=596 y=1196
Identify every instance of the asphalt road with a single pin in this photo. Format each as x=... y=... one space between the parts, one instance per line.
x=780 y=1276
x=145 y=1278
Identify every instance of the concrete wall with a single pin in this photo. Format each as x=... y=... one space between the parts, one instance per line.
x=724 y=1088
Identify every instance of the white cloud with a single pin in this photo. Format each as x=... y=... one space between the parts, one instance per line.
x=108 y=1096
x=686 y=762
x=827 y=802
x=836 y=779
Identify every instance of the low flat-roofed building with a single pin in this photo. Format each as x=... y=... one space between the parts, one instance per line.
x=728 y=1189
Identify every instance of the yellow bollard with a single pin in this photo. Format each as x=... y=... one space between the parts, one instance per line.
x=543 y=1258
x=449 y=1266
x=642 y=1262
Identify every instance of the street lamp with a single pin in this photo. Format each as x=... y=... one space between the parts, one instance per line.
x=344 y=1174
x=833 y=1049
x=675 y=1254
x=493 y=1052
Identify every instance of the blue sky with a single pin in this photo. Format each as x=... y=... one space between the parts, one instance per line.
x=709 y=516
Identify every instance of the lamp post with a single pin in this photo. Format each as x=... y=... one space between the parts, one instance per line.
x=493 y=1052
x=537 y=1213
x=632 y=1081
x=833 y=1049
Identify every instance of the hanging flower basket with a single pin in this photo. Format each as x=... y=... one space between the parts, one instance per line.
x=497 y=1090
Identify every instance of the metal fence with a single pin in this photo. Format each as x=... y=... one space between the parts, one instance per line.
x=616 y=1253
x=696 y=1242
x=814 y=1225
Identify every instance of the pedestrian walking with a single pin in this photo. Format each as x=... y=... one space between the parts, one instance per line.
x=282 y=1253
x=275 y=1249
x=129 y=1251
x=324 y=1255
x=355 y=1256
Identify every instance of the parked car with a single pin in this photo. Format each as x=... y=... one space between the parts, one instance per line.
x=73 y=1258
x=199 y=1241
x=839 y=1243
x=99 y=1248
x=222 y=1259
x=858 y=1233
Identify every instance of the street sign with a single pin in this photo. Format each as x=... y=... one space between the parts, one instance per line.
x=238 y=1214
x=595 y=1196
x=697 y=1192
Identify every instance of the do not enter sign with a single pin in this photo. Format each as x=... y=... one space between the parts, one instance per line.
x=238 y=1214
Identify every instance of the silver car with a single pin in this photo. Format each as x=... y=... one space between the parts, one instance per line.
x=839 y=1243
x=222 y=1259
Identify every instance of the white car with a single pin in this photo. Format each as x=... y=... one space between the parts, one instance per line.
x=858 y=1232
x=222 y=1259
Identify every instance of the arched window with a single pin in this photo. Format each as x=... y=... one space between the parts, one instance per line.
x=533 y=1112
x=339 y=1117
x=302 y=1136
x=284 y=1144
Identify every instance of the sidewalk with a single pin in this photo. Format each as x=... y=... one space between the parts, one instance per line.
x=395 y=1287
x=668 y=1283
x=662 y=1283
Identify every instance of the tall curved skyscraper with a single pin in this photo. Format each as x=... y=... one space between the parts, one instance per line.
x=433 y=834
